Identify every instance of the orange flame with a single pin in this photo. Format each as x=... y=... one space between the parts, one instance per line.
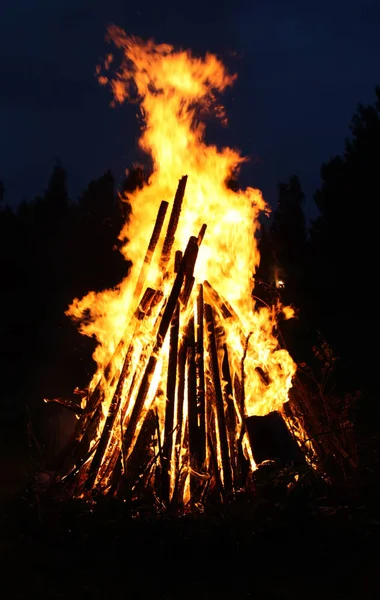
x=174 y=89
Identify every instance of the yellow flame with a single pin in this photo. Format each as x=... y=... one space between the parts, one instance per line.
x=174 y=90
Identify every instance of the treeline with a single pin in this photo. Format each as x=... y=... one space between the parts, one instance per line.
x=53 y=249
x=330 y=270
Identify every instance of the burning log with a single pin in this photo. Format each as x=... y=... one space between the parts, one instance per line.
x=117 y=448
x=170 y=400
x=173 y=223
x=95 y=399
x=177 y=260
x=218 y=399
x=231 y=417
x=201 y=233
x=192 y=398
x=179 y=412
x=222 y=305
x=87 y=425
x=199 y=360
x=192 y=248
x=151 y=248
x=69 y=404
x=270 y=439
x=140 y=459
x=217 y=300
x=189 y=277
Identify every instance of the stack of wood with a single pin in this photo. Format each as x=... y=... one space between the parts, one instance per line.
x=182 y=436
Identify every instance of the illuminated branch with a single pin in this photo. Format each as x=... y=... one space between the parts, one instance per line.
x=192 y=248
x=218 y=399
x=199 y=359
x=170 y=401
x=173 y=224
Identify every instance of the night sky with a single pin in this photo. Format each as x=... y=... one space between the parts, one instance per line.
x=302 y=68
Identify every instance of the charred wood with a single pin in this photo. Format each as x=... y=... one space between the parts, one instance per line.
x=192 y=399
x=218 y=399
x=151 y=248
x=170 y=401
x=270 y=439
x=173 y=223
x=162 y=331
x=199 y=360
x=69 y=404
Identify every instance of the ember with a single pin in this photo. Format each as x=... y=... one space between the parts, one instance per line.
x=184 y=356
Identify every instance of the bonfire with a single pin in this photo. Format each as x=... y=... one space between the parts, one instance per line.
x=188 y=364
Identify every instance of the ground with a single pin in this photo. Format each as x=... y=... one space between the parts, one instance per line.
x=62 y=555
x=274 y=550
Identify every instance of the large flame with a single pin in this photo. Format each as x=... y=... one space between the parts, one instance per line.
x=175 y=90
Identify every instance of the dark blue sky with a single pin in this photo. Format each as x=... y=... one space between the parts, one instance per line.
x=302 y=68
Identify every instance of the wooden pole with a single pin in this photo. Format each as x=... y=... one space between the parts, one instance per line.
x=231 y=419
x=192 y=402
x=179 y=412
x=200 y=374
x=177 y=260
x=218 y=400
x=221 y=305
x=151 y=248
x=170 y=401
x=88 y=422
x=201 y=233
x=189 y=274
x=114 y=407
x=114 y=443
x=192 y=248
x=96 y=398
x=173 y=224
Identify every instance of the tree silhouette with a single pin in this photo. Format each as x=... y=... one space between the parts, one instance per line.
x=288 y=231
x=344 y=248
x=2 y=191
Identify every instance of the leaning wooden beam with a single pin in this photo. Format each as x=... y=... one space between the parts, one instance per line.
x=220 y=304
x=96 y=397
x=192 y=401
x=114 y=445
x=177 y=260
x=214 y=463
x=189 y=275
x=231 y=417
x=179 y=409
x=232 y=410
x=201 y=233
x=113 y=411
x=192 y=248
x=218 y=400
x=170 y=401
x=187 y=289
x=151 y=248
x=140 y=458
x=173 y=224
x=199 y=359
x=69 y=404
x=88 y=423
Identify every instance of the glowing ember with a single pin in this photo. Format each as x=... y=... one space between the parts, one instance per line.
x=197 y=356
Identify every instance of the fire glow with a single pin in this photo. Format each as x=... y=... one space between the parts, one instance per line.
x=184 y=356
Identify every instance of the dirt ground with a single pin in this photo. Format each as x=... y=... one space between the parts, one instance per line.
x=60 y=554
x=69 y=558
